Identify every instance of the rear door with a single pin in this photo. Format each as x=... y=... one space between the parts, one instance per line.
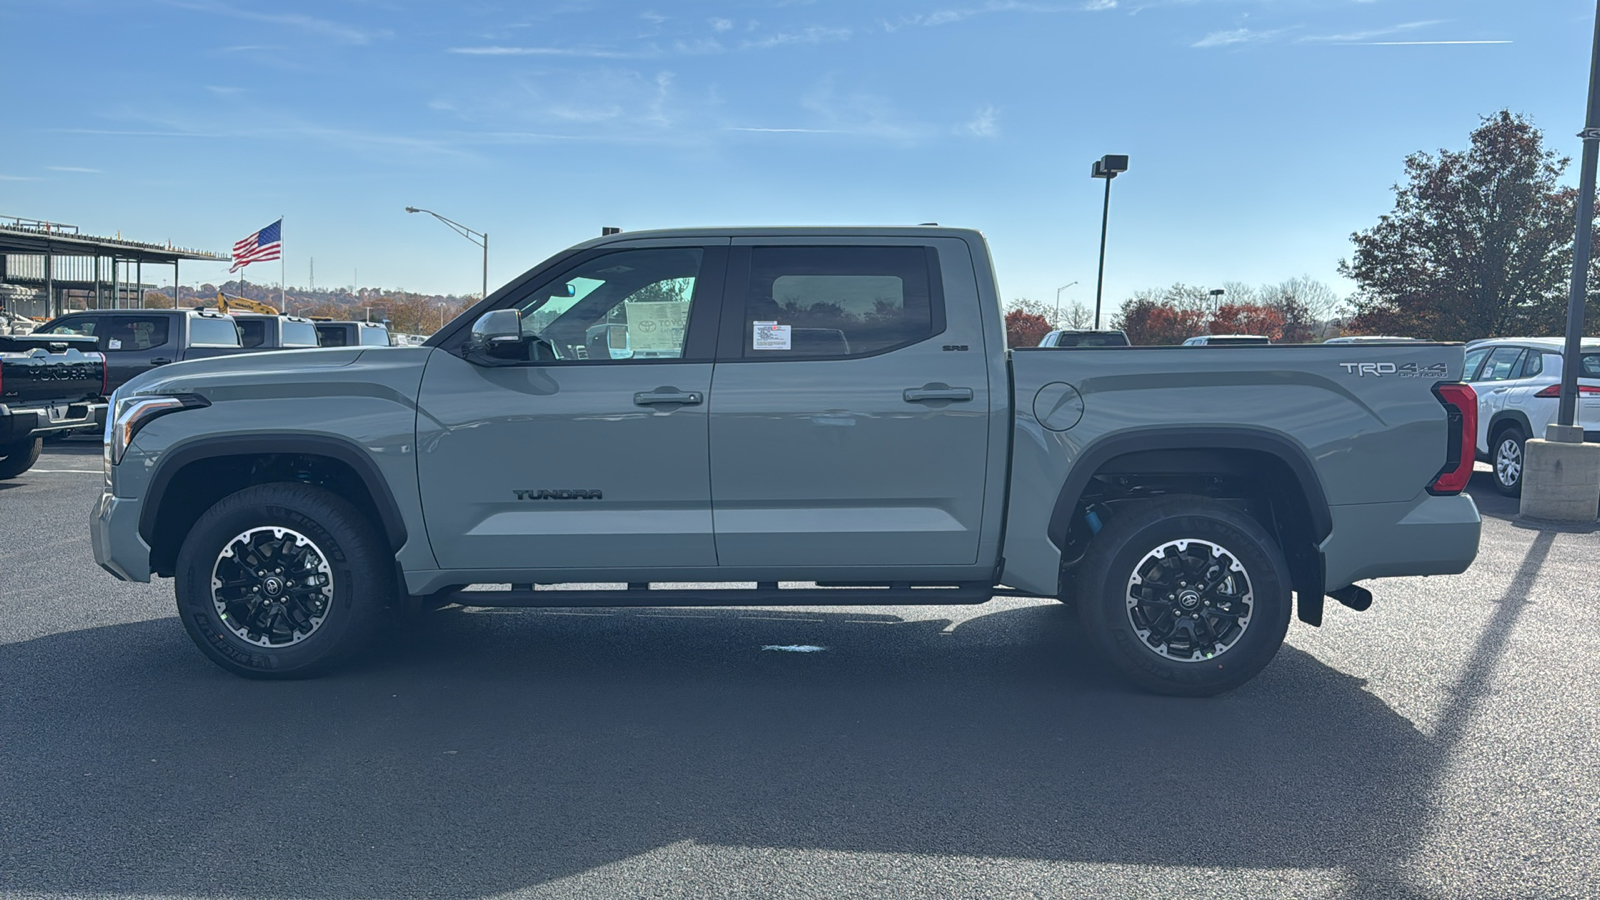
x=590 y=454
x=850 y=408
x=135 y=343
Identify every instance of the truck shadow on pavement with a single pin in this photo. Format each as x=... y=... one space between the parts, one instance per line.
x=490 y=751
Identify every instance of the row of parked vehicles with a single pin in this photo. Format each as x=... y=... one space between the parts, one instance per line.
x=56 y=380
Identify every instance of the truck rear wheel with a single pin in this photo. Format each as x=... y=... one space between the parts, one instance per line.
x=282 y=580
x=19 y=456
x=1185 y=595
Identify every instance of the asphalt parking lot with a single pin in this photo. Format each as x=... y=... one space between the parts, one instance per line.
x=1443 y=744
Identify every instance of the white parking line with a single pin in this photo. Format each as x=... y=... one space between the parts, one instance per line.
x=63 y=471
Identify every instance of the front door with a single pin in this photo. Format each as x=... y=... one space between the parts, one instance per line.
x=849 y=414
x=592 y=453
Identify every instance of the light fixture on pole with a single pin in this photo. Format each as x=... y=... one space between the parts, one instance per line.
x=1216 y=297
x=1057 y=322
x=1107 y=167
x=477 y=237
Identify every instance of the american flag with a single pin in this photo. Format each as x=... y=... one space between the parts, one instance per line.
x=259 y=247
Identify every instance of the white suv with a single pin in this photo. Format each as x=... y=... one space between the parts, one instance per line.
x=1518 y=381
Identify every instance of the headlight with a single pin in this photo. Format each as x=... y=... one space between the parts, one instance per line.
x=129 y=414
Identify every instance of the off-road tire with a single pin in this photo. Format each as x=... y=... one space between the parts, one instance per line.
x=358 y=565
x=1106 y=584
x=19 y=456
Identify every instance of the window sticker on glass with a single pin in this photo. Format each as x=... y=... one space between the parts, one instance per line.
x=770 y=336
x=114 y=344
x=656 y=325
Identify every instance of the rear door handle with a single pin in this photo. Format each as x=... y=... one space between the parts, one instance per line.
x=923 y=394
x=665 y=396
x=160 y=361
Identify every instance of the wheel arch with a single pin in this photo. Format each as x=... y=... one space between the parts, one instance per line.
x=1504 y=417
x=207 y=469
x=1278 y=470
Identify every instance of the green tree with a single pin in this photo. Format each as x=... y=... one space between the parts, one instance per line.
x=1479 y=242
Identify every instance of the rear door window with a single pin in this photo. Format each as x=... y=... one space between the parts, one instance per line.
x=332 y=336
x=374 y=337
x=1502 y=363
x=839 y=301
x=252 y=332
x=125 y=334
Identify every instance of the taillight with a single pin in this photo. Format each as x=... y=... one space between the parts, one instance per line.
x=1461 y=409
x=105 y=375
x=1553 y=392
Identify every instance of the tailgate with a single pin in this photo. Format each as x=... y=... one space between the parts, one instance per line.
x=1365 y=417
x=39 y=377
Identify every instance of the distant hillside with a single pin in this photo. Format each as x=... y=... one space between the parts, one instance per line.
x=406 y=312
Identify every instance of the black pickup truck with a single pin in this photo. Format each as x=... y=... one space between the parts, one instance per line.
x=48 y=384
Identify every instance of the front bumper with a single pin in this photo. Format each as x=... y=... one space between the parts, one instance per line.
x=17 y=424
x=1425 y=536
x=114 y=533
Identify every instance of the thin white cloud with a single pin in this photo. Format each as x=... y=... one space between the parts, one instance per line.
x=16 y=178
x=223 y=90
x=782 y=130
x=1098 y=5
x=1356 y=37
x=74 y=169
x=816 y=34
x=1426 y=43
x=309 y=24
x=1236 y=36
x=721 y=24
x=586 y=52
x=984 y=124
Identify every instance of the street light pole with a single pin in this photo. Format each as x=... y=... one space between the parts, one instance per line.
x=1107 y=167
x=477 y=237
x=1057 y=322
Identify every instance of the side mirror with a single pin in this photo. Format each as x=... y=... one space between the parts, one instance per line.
x=497 y=339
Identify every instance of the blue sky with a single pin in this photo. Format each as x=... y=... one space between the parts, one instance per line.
x=1262 y=132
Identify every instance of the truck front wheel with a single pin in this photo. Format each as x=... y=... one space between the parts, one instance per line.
x=19 y=456
x=282 y=580
x=1185 y=595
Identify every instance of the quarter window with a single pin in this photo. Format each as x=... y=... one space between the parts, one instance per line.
x=205 y=331
x=1470 y=369
x=299 y=334
x=837 y=301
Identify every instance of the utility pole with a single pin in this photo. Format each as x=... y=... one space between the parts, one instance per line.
x=1566 y=414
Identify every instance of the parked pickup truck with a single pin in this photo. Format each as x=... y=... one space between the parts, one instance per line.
x=138 y=340
x=829 y=415
x=49 y=384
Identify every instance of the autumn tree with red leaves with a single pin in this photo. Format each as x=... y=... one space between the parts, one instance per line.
x=1479 y=243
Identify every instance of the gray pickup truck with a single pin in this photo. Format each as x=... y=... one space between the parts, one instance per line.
x=804 y=417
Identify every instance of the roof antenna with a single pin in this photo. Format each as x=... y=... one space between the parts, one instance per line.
x=928 y=223
x=609 y=230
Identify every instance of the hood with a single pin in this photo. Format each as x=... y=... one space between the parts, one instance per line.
x=276 y=370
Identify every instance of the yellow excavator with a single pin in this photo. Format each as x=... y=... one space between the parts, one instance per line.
x=243 y=304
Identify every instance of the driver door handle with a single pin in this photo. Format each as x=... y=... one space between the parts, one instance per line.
x=665 y=396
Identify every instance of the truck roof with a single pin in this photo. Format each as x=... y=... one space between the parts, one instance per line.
x=800 y=231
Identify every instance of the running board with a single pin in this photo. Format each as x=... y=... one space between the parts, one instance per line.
x=766 y=595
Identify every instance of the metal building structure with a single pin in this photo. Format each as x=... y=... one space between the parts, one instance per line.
x=45 y=264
